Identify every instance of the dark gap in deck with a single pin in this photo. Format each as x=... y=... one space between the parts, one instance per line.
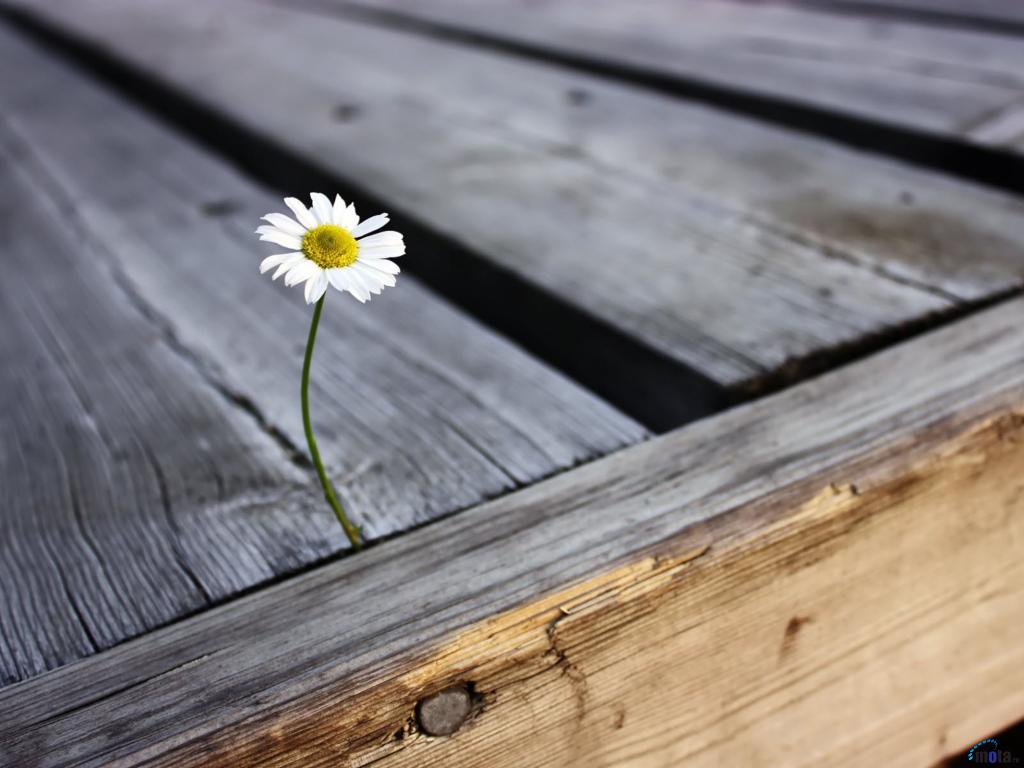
x=922 y=16
x=827 y=359
x=983 y=165
x=656 y=390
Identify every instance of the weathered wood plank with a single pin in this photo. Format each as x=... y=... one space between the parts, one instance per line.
x=151 y=385
x=840 y=563
x=735 y=249
x=937 y=80
x=112 y=448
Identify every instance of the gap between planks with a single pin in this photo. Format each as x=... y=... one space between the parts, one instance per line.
x=957 y=15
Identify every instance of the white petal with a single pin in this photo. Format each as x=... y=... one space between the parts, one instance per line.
x=291 y=242
x=275 y=260
x=344 y=280
x=301 y=212
x=269 y=229
x=338 y=211
x=366 y=268
x=384 y=281
x=383 y=238
x=367 y=282
x=382 y=251
x=315 y=287
x=286 y=224
x=374 y=280
x=350 y=219
x=338 y=278
x=358 y=282
x=302 y=271
x=287 y=265
x=372 y=224
x=322 y=208
x=381 y=265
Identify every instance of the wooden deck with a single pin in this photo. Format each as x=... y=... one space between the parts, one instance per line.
x=691 y=435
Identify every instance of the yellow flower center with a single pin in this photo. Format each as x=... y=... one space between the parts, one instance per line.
x=330 y=246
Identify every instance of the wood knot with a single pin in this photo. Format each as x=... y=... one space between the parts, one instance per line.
x=792 y=630
x=444 y=712
x=218 y=208
x=345 y=113
x=577 y=96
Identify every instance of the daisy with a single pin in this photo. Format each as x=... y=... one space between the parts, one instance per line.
x=328 y=245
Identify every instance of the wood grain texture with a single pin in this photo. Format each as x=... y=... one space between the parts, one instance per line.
x=113 y=452
x=935 y=79
x=840 y=563
x=734 y=249
x=153 y=458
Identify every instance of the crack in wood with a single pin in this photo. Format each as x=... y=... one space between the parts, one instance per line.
x=577 y=678
x=172 y=522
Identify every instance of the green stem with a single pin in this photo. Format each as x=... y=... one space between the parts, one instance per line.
x=351 y=530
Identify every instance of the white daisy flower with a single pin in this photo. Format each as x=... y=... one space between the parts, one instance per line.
x=328 y=245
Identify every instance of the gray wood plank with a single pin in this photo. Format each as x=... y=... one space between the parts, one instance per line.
x=152 y=459
x=114 y=451
x=733 y=248
x=937 y=80
x=278 y=674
